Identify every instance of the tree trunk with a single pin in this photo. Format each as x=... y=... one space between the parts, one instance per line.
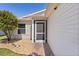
x=8 y=39
x=9 y=36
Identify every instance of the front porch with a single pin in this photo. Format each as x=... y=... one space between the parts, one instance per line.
x=35 y=28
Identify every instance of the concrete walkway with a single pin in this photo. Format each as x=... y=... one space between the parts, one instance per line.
x=24 y=47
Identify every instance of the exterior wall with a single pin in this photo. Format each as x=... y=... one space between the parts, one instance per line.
x=63 y=30
x=27 y=35
x=50 y=9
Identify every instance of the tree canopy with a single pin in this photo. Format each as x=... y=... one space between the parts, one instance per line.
x=8 y=22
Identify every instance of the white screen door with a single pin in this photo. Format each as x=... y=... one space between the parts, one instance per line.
x=40 y=31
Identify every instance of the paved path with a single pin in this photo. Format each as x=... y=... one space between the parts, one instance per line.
x=24 y=47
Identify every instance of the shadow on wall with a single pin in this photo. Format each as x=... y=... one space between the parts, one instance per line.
x=48 y=51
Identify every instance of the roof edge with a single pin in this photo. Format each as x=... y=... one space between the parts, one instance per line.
x=32 y=13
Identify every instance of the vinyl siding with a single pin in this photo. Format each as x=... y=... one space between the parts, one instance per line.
x=63 y=30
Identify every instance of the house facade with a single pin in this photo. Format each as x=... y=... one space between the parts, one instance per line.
x=58 y=25
x=32 y=27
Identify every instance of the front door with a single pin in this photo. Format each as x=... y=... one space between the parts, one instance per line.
x=40 y=31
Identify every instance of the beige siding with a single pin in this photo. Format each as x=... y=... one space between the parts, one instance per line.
x=63 y=30
x=27 y=34
x=50 y=9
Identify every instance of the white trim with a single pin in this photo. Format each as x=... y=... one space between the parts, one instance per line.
x=32 y=13
x=32 y=31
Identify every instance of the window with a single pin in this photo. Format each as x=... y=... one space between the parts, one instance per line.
x=21 y=28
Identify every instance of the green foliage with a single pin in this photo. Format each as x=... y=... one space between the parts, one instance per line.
x=8 y=22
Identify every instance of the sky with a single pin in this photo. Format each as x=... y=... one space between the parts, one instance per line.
x=22 y=9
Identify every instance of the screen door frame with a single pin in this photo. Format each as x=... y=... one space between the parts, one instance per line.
x=43 y=33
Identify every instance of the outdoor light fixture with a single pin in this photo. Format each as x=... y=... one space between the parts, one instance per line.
x=55 y=8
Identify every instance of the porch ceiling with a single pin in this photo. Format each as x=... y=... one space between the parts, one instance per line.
x=39 y=18
x=26 y=19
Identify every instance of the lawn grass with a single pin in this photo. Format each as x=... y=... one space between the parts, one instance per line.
x=7 y=52
x=2 y=38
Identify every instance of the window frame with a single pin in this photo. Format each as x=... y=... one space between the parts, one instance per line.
x=20 y=28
